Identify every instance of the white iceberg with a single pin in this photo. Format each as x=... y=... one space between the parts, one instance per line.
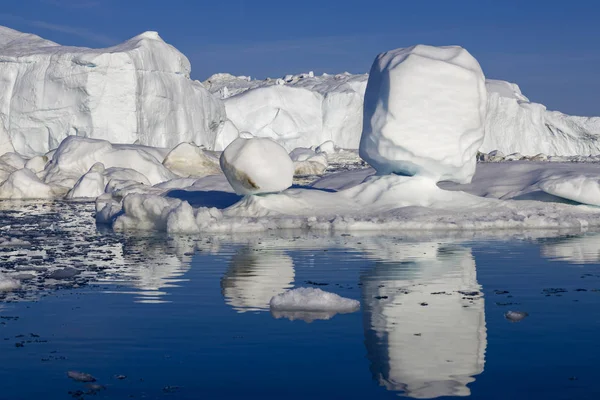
x=137 y=92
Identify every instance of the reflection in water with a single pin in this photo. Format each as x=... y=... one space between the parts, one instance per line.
x=424 y=321
x=575 y=249
x=306 y=316
x=38 y=240
x=154 y=264
x=254 y=277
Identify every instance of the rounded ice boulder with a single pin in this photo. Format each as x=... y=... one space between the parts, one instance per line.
x=424 y=113
x=257 y=165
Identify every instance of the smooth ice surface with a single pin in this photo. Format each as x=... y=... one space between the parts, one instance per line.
x=137 y=92
x=424 y=113
x=257 y=165
x=312 y=299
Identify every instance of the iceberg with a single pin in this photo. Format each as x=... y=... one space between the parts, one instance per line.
x=137 y=92
x=424 y=113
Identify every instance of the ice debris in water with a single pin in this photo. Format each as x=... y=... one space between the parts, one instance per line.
x=312 y=299
x=515 y=316
x=8 y=284
x=80 y=376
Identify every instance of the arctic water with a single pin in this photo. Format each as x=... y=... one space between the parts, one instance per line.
x=490 y=315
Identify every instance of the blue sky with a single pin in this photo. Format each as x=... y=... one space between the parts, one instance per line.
x=550 y=48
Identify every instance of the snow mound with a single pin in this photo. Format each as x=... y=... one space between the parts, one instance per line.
x=312 y=299
x=187 y=160
x=257 y=165
x=137 y=92
x=582 y=188
x=514 y=124
x=424 y=113
x=297 y=111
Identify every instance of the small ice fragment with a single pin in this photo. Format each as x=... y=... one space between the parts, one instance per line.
x=64 y=273
x=80 y=376
x=8 y=284
x=312 y=299
x=515 y=316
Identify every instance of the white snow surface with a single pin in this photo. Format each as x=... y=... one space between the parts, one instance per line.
x=312 y=299
x=137 y=92
x=257 y=165
x=424 y=113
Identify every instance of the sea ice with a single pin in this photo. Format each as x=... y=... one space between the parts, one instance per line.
x=257 y=165
x=424 y=113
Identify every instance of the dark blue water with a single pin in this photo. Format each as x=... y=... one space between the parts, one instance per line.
x=188 y=318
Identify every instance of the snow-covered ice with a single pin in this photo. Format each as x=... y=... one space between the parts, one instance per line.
x=424 y=113
x=312 y=299
x=257 y=165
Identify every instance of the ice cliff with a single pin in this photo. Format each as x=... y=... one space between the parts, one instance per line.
x=137 y=92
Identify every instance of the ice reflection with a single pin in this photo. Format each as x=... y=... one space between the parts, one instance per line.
x=573 y=249
x=152 y=265
x=254 y=276
x=424 y=320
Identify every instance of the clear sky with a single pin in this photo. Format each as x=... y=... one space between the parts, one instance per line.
x=550 y=48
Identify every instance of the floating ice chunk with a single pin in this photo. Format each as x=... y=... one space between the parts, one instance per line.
x=80 y=376
x=24 y=184
x=573 y=186
x=306 y=316
x=424 y=113
x=64 y=273
x=312 y=299
x=257 y=165
x=187 y=159
x=515 y=316
x=8 y=284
